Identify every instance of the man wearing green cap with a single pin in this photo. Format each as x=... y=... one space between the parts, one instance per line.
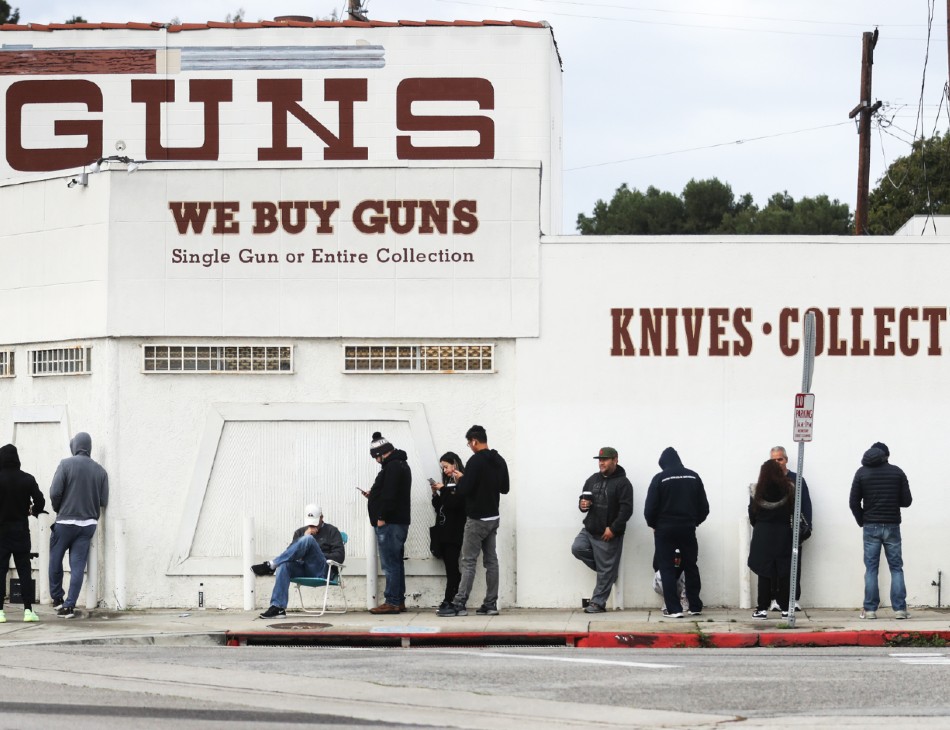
x=607 y=500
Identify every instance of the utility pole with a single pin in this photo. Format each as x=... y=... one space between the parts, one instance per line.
x=865 y=110
x=357 y=12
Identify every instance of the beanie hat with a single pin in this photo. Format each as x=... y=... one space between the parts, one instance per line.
x=380 y=445
x=882 y=447
x=312 y=514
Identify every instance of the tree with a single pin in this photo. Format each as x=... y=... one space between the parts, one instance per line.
x=918 y=184
x=709 y=206
x=633 y=212
x=8 y=15
x=77 y=19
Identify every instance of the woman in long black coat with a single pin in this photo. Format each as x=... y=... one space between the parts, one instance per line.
x=449 y=527
x=770 y=555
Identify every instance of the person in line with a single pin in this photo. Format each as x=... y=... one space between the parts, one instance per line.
x=607 y=500
x=484 y=480
x=389 y=507
x=878 y=492
x=676 y=505
x=779 y=455
x=449 y=527
x=79 y=492
x=771 y=507
x=306 y=556
x=20 y=497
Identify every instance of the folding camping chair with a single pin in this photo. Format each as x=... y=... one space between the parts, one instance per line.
x=331 y=579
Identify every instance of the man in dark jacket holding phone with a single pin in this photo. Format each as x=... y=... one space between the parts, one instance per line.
x=484 y=479
x=607 y=498
x=389 y=510
x=676 y=504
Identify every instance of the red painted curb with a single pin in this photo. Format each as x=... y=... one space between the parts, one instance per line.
x=613 y=639
x=609 y=639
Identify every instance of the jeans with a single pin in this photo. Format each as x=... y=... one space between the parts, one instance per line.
x=303 y=558
x=15 y=541
x=889 y=536
x=601 y=557
x=479 y=537
x=391 y=541
x=76 y=540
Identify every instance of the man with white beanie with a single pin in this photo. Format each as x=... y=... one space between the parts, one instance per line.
x=310 y=548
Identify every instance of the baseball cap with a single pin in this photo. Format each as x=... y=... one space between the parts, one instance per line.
x=608 y=452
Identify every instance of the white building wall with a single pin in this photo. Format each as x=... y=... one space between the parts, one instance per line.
x=723 y=413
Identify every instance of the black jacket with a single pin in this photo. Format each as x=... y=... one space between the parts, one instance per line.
x=770 y=554
x=484 y=479
x=390 y=494
x=879 y=490
x=20 y=496
x=676 y=496
x=612 y=502
x=329 y=539
x=449 y=508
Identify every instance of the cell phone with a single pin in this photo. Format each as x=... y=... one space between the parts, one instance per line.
x=431 y=482
x=361 y=491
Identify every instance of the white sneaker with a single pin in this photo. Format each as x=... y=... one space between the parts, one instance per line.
x=901 y=615
x=774 y=606
x=865 y=614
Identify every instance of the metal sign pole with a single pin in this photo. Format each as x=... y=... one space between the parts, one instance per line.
x=808 y=370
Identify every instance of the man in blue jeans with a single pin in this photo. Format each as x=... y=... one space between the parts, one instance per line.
x=389 y=509
x=310 y=548
x=80 y=489
x=878 y=493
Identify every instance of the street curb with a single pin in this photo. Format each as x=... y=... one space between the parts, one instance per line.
x=593 y=639
x=765 y=639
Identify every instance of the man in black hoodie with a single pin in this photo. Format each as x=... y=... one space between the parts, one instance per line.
x=676 y=504
x=607 y=498
x=389 y=507
x=20 y=497
x=878 y=492
x=484 y=479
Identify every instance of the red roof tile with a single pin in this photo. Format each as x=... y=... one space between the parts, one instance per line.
x=39 y=27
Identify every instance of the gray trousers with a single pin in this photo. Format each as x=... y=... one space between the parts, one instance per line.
x=601 y=557
x=479 y=537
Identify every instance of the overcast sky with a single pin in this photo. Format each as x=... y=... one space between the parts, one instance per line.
x=657 y=92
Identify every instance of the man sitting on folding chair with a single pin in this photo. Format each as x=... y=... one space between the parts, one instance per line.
x=312 y=545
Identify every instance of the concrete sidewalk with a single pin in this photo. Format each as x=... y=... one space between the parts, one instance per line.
x=716 y=627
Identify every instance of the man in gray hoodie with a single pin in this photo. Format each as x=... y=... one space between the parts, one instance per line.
x=79 y=491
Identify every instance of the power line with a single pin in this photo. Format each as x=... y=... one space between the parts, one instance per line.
x=706 y=147
x=615 y=19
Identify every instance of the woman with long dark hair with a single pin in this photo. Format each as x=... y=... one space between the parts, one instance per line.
x=449 y=523
x=770 y=555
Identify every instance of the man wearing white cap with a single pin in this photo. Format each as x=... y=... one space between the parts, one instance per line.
x=312 y=545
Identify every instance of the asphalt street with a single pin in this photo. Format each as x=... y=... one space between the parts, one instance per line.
x=207 y=687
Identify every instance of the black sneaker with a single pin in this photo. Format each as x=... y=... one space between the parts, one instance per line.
x=594 y=607
x=66 y=612
x=452 y=610
x=761 y=613
x=262 y=569
x=274 y=612
x=487 y=609
x=57 y=604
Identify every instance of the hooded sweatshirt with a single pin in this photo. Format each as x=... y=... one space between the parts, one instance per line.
x=80 y=487
x=389 y=498
x=20 y=496
x=879 y=490
x=612 y=502
x=484 y=479
x=676 y=496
